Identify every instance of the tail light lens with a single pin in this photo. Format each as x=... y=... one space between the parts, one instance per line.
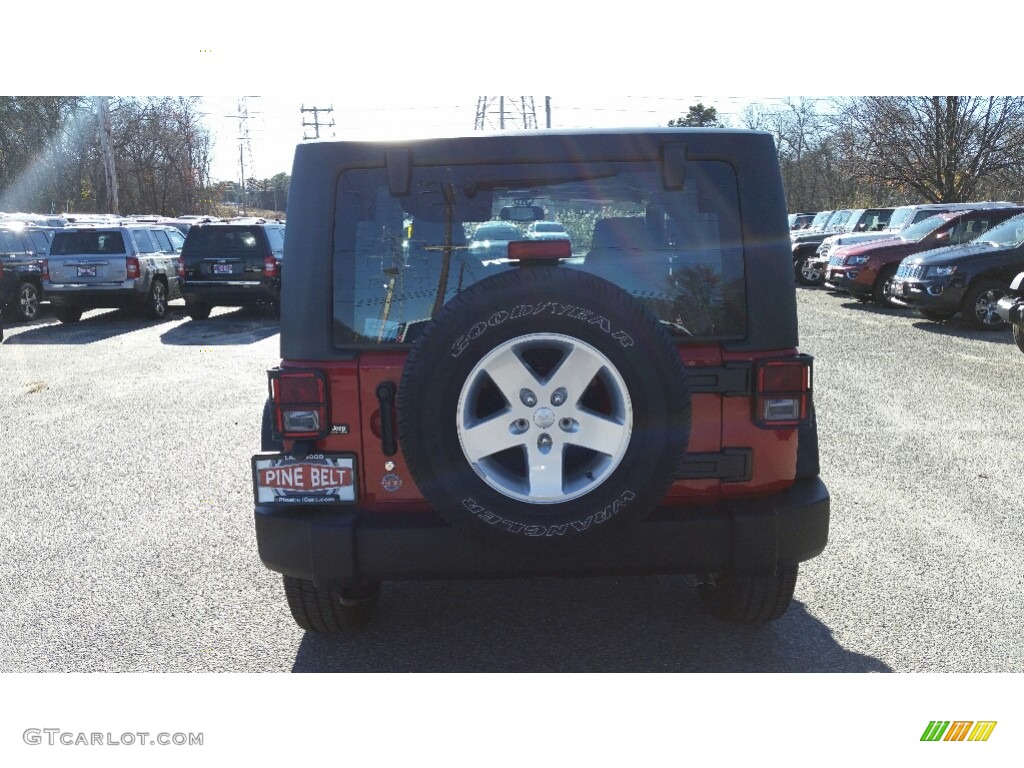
x=133 y=267
x=299 y=398
x=783 y=395
x=46 y=269
x=539 y=250
x=181 y=268
x=269 y=266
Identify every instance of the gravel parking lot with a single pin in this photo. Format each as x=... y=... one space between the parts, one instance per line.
x=128 y=539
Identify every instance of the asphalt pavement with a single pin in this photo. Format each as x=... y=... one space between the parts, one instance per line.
x=128 y=544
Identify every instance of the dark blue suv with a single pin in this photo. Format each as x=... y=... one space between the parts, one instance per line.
x=233 y=263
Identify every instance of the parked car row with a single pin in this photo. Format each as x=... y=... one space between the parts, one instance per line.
x=805 y=243
x=142 y=266
x=966 y=261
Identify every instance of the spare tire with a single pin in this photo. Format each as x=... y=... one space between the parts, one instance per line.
x=543 y=403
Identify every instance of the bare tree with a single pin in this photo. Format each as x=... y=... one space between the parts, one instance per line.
x=807 y=154
x=163 y=150
x=940 y=148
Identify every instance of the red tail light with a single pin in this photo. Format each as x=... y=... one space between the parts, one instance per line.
x=269 y=266
x=300 y=403
x=539 y=250
x=783 y=393
x=181 y=268
x=46 y=269
x=133 y=267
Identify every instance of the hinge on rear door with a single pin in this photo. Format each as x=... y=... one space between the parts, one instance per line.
x=730 y=380
x=732 y=465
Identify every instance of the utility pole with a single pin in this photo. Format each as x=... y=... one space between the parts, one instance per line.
x=102 y=111
x=316 y=120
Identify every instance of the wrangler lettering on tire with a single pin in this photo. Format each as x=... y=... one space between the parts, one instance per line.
x=557 y=418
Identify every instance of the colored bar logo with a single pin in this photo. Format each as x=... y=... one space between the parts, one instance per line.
x=958 y=730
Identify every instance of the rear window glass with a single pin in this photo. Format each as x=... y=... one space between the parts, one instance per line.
x=216 y=240
x=546 y=226
x=87 y=241
x=40 y=241
x=276 y=237
x=162 y=241
x=10 y=242
x=922 y=215
x=397 y=259
x=144 y=241
x=175 y=237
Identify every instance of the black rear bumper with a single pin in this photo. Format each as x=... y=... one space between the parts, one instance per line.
x=342 y=547
x=237 y=294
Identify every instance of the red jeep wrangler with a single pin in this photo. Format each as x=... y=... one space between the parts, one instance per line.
x=627 y=400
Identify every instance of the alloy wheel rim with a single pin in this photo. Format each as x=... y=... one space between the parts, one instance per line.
x=985 y=307
x=29 y=302
x=544 y=418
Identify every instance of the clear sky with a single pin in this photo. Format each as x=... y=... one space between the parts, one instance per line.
x=421 y=67
x=275 y=123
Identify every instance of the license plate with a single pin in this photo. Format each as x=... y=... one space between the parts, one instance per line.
x=222 y=269
x=89 y=271
x=316 y=479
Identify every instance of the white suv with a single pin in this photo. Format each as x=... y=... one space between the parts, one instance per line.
x=546 y=230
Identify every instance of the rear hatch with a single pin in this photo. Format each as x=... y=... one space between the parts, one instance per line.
x=224 y=253
x=675 y=245
x=91 y=256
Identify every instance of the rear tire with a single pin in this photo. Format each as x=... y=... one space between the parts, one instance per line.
x=935 y=315
x=27 y=306
x=197 y=310
x=326 y=611
x=882 y=290
x=979 y=307
x=1018 y=336
x=803 y=275
x=155 y=307
x=68 y=314
x=742 y=599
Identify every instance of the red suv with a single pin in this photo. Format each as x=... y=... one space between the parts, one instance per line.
x=628 y=400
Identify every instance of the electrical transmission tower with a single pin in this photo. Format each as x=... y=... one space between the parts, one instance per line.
x=508 y=113
x=244 y=145
x=316 y=120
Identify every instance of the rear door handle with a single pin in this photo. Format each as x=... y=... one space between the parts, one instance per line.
x=386 y=400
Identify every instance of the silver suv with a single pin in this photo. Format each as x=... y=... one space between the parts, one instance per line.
x=128 y=265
